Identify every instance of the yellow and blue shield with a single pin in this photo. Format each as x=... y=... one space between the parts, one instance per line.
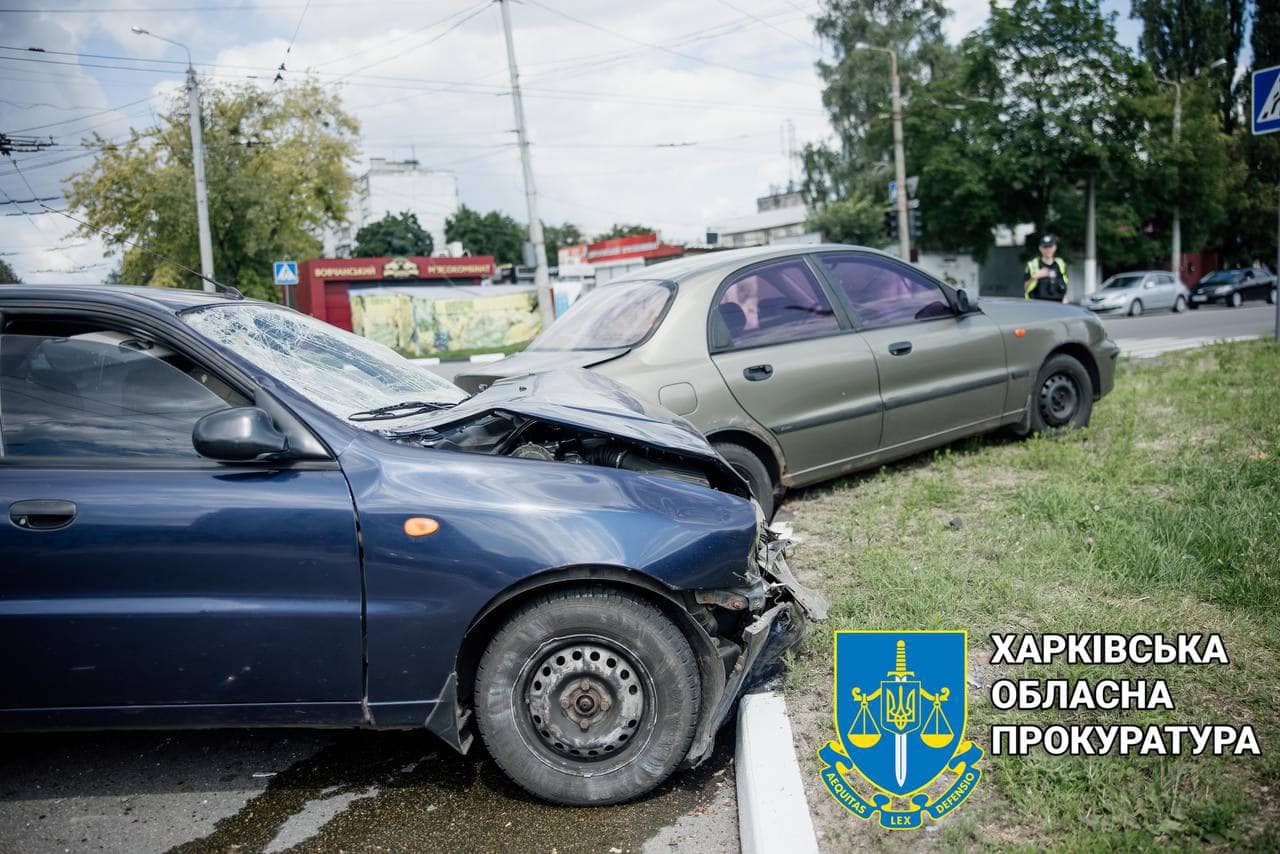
x=900 y=711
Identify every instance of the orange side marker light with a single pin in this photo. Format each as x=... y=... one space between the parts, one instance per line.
x=1019 y=332
x=420 y=526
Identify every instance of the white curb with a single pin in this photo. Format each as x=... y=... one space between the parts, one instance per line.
x=773 y=814
x=485 y=358
x=428 y=360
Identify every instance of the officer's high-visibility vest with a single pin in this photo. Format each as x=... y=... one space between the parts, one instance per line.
x=1032 y=283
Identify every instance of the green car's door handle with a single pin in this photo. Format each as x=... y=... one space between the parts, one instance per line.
x=900 y=348
x=755 y=373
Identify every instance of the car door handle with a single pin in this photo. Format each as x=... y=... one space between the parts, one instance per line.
x=42 y=514
x=900 y=348
x=756 y=373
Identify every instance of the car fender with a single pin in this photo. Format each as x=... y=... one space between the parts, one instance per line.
x=500 y=521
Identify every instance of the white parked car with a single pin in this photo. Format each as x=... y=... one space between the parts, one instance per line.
x=1136 y=292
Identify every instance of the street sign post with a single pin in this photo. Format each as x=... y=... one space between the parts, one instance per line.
x=1266 y=119
x=285 y=274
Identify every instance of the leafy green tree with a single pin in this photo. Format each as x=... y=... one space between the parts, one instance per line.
x=276 y=164
x=623 y=230
x=857 y=220
x=493 y=234
x=1181 y=38
x=394 y=234
x=857 y=89
x=1054 y=72
x=7 y=274
x=556 y=237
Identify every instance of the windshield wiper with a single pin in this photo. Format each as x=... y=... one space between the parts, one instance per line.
x=398 y=410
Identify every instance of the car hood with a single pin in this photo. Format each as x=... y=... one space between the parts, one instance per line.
x=479 y=377
x=588 y=401
x=1010 y=310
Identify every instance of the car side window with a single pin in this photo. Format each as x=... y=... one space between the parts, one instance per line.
x=884 y=292
x=81 y=393
x=771 y=304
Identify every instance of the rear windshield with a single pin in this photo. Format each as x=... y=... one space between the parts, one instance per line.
x=609 y=317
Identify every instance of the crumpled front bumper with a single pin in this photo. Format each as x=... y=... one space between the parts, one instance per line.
x=782 y=607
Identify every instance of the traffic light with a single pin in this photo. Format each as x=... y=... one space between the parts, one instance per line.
x=891 y=224
x=916 y=219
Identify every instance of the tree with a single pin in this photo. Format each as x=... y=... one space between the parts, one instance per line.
x=7 y=274
x=1184 y=37
x=276 y=165
x=555 y=237
x=857 y=90
x=394 y=234
x=493 y=234
x=620 y=230
x=856 y=220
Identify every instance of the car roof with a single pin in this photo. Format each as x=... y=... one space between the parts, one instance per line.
x=728 y=260
x=173 y=299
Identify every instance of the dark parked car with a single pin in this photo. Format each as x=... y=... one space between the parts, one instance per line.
x=1233 y=287
x=225 y=513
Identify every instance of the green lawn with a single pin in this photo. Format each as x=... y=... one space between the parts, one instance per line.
x=1163 y=516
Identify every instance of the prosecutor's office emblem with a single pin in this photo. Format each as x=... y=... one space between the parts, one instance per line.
x=901 y=705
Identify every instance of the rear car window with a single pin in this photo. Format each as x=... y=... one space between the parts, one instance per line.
x=771 y=304
x=612 y=316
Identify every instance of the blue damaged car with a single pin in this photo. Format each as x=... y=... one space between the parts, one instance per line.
x=222 y=512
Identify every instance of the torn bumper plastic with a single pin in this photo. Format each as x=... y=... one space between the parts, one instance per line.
x=784 y=608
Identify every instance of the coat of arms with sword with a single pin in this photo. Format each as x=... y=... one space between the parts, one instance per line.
x=906 y=710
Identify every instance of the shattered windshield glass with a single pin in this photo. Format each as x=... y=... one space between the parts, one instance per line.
x=338 y=371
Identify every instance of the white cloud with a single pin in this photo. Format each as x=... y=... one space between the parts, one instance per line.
x=598 y=103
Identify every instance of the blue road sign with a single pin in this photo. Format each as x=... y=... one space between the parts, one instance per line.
x=1266 y=100
x=286 y=272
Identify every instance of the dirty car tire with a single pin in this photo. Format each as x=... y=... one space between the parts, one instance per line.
x=595 y=654
x=1062 y=398
x=753 y=469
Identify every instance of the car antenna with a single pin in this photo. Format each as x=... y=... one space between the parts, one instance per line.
x=231 y=291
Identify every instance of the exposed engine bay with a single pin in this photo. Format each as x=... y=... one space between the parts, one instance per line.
x=501 y=433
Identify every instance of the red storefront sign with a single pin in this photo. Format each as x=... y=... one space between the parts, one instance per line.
x=324 y=284
x=645 y=246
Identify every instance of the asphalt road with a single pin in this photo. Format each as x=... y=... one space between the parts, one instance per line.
x=299 y=790
x=1208 y=323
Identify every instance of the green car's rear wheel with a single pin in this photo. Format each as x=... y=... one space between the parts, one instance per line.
x=753 y=471
x=1062 y=398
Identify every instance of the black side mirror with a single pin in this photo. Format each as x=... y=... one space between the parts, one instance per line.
x=238 y=435
x=962 y=301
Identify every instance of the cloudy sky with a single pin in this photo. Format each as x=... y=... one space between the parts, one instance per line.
x=668 y=113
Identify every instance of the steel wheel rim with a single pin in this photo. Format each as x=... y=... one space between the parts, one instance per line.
x=1059 y=399
x=615 y=736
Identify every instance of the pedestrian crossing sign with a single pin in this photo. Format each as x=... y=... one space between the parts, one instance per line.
x=1266 y=100
x=286 y=272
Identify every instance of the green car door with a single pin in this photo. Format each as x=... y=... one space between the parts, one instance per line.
x=793 y=364
x=942 y=373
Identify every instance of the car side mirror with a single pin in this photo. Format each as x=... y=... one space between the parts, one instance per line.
x=239 y=434
x=1147 y=285
x=963 y=303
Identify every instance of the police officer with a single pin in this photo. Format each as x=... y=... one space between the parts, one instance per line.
x=1046 y=274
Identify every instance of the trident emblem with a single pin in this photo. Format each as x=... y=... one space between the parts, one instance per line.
x=899 y=697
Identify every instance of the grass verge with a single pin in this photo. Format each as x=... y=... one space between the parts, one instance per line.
x=1162 y=517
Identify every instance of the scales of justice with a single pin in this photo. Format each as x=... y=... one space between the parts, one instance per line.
x=900 y=696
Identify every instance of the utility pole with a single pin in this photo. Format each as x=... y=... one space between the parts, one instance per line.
x=899 y=151
x=1176 y=262
x=197 y=160
x=541 y=279
x=1275 y=285
x=1091 y=239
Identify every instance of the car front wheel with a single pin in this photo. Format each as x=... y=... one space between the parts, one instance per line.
x=1062 y=398
x=1235 y=300
x=588 y=696
x=1135 y=309
x=1271 y=297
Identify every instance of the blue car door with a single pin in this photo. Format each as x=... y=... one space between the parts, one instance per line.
x=136 y=573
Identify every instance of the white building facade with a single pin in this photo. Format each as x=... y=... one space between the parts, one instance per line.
x=389 y=187
x=780 y=217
